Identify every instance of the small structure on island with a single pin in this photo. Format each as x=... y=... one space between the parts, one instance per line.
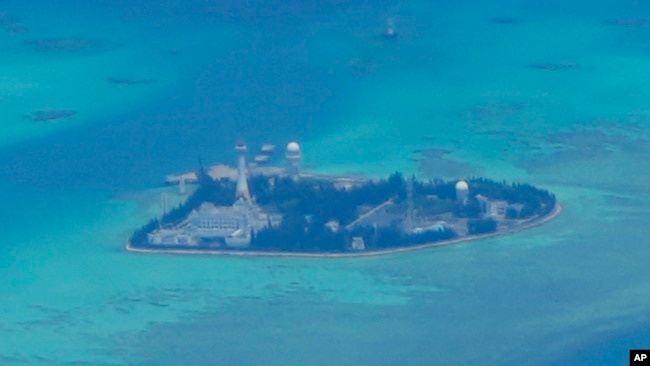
x=333 y=225
x=293 y=155
x=462 y=191
x=189 y=178
x=168 y=237
x=494 y=209
x=358 y=243
x=262 y=159
x=437 y=226
x=267 y=149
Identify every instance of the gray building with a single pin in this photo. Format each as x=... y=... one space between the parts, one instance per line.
x=495 y=209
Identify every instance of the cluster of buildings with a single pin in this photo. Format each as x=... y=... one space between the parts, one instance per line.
x=232 y=226
x=493 y=209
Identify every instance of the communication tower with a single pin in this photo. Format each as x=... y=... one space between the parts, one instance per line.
x=163 y=204
x=409 y=202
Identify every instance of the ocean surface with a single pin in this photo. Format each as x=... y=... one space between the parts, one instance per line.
x=553 y=93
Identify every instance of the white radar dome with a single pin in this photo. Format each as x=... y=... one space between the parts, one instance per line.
x=293 y=147
x=462 y=186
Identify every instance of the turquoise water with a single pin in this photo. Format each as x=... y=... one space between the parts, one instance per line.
x=554 y=94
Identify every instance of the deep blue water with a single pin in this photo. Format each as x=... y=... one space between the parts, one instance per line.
x=606 y=350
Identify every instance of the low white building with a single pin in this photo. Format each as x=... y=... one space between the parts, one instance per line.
x=438 y=226
x=232 y=225
x=171 y=237
x=358 y=243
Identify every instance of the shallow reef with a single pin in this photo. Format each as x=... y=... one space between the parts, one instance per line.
x=583 y=144
x=435 y=162
x=50 y=115
x=628 y=22
x=551 y=66
x=493 y=111
x=54 y=45
x=129 y=82
x=363 y=67
x=505 y=20
x=11 y=24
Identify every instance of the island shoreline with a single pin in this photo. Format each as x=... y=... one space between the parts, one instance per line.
x=557 y=210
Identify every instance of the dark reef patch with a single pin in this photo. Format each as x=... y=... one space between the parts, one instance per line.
x=121 y=82
x=498 y=133
x=55 y=45
x=552 y=66
x=363 y=67
x=435 y=163
x=570 y=147
x=505 y=20
x=13 y=359
x=628 y=22
x=11 y=24
x=582 y=145
x=50 y=115
x=493 y=112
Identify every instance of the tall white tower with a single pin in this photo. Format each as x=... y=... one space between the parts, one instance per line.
x=462 y=191
x=294 y=158
x=242 y=185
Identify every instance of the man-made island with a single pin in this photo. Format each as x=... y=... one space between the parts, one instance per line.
x=258 y=209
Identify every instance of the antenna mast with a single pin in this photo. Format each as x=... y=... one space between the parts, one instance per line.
x=409 y=202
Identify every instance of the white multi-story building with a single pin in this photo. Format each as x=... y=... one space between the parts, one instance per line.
x=232 y=225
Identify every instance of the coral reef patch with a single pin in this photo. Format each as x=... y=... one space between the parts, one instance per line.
x=50 y=115
x=56 y=45
x=551 y=66
x=122 y=82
